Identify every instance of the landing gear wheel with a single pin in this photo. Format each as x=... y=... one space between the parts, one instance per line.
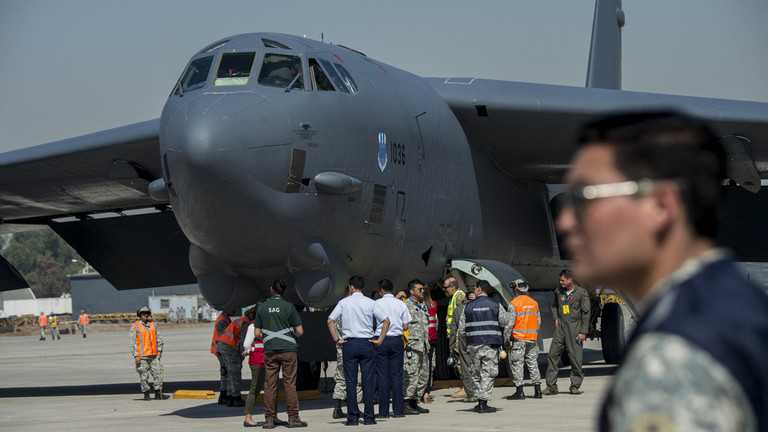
x=612 y=333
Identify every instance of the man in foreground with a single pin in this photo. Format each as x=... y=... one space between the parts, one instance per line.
x=645 y=191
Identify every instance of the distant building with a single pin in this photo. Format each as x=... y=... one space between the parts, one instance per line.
x=19 y=294
x=23 y=302
x=96 y=295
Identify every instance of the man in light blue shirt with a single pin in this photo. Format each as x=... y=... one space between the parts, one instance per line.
x=389 y=356
x=356 y=340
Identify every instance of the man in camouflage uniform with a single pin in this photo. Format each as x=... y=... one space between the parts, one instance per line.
x=146 y=349
x=482 y=323
x=416 y=362
x=525 y=321
x=340 y=388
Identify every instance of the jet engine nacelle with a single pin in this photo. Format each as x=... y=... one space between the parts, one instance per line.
x=220 y=285
x=319 y=276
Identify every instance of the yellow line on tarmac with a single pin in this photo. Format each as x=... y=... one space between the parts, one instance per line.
x=210 y=394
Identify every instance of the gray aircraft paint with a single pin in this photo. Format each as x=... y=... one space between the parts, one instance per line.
x=268 y=183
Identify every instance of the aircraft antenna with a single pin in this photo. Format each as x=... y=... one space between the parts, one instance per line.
x=604 y=66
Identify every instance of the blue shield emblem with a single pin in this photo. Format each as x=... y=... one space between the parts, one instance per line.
x=383 y=156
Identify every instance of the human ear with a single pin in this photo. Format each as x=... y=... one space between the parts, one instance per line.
x=666 y=206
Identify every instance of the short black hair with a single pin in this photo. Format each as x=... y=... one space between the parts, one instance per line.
x=413 y=283
x=386 y=285
x=667 y=145
x=485 y=286
x=566 y=273
x=357 y=282
x=279 y=286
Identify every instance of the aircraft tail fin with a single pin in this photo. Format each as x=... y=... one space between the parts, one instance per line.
x=604 y=67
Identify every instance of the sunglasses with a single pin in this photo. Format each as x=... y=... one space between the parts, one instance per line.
x=578 y=198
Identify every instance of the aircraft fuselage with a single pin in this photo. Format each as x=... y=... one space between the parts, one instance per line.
x=242 y=160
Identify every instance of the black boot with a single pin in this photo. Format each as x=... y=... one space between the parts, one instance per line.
x=479 y=407
x=481 y=404
x=415 y=405
x=409 y=409
x=223 y=397
x=158 y=395
x=484 y=407
x=537 y=391
x=338 y=413
x=146 y=395
x=236 y=401
x=519 y=395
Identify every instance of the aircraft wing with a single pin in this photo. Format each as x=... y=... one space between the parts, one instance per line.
x=100 y=171
x=92 y=191
x=529 y=129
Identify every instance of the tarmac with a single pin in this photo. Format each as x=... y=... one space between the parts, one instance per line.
x=77 y=384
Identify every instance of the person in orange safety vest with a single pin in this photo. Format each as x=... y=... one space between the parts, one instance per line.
x=525 y=334
x=42 y=321
x=147 y=348
x=227 y=338
x=221 y=323
x=83 y=321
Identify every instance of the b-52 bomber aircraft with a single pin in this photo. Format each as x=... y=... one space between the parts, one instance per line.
x=279 y=156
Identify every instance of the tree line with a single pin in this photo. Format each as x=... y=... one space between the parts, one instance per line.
x=43 y=259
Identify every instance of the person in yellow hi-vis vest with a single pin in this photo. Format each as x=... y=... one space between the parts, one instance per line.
x=571 y=311
x=456 y=342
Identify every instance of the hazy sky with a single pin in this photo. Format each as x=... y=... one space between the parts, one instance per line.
x=73 y=67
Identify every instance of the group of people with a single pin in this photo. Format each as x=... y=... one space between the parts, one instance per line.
x=266 y=335
x=46 y=323
x=481 y=331
x=390 y=342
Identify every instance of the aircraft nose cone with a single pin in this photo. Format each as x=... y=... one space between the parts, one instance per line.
x=229 y=162
x=236 y=136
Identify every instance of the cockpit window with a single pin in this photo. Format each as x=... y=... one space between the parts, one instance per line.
x=281 y=70
x=334 y=76
x=197 y=73
x=269 y=43
x=234 y=69
x=319 y=79
x=348 y=80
